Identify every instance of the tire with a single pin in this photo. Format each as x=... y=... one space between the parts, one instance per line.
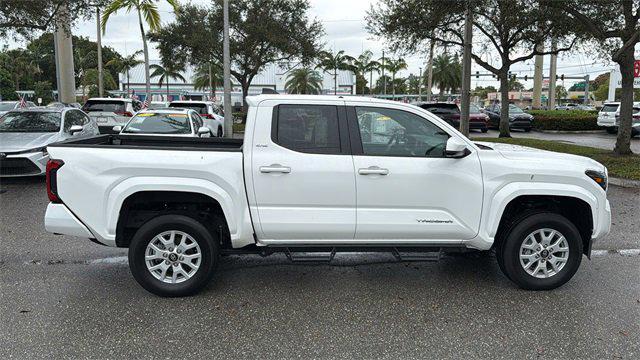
x=175 y=284
x=612 y=130
x=219 y=131
x=484 y=130
x=527 y=130
x=544 y=276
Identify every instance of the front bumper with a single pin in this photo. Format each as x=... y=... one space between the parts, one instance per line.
x=59 y=220
x=24 y=164
x=523 y=124
x=603 y=223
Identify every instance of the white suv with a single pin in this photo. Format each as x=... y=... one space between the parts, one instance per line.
x=210 y=112
x=609 y=117
x=110 y=112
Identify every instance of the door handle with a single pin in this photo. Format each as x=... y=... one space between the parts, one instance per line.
x=275 y=168
x=373 y=170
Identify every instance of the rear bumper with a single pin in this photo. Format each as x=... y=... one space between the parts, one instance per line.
x=26 y=164
x=59 y=220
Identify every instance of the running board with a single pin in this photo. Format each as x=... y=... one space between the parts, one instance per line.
x=326 y=255
x=407 y=256
x=306 y=256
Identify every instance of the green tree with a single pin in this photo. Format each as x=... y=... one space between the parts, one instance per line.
x=43 y=90
x=7 y=86
x=147 y=9
x=262 y=32
x=614 y=25
x=304 y=81
x=22 y=67
x=206 y=76
x=363 y=65
x=561 y=92
x=511 y=28
x=482 y=92
x=515 y=85
x=331 y=63
x=124 y=64
x=394 y=66
x=166 y=71
x=447 y=73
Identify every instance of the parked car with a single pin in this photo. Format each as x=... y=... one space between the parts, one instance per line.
x=568 y=106
x=63 y=105
x=609 y=117
x=478 y=120
x=211 y=113
x=6 y=106
x=449 y=112
x=165 y=122
x=316 y=175
x=110 y=112
x=518 y=119
x=26 y=133
x=154 y=105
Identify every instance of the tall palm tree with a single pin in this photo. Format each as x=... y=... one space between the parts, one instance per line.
x=394 y=66
x=147 y=9
x=447 y=72
x=123 y=65
x=304 y=81
x=167 y=71
x=330 y=62
x=363 y=64
x=206 y=76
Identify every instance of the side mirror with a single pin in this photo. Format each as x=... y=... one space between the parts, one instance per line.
x=203 y=130
x=117 y=129
x=75 y=129
x=456 y=148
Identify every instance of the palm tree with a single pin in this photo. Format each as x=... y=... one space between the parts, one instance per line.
x=304 y=81
x=363 y=64
x=394 y=66
x=123 y=65
x=206 y=76
x=166 y=72
x=333 y=62
x=447 y=72
x=147 y=9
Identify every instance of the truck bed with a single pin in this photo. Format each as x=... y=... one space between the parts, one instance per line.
x=155 y=143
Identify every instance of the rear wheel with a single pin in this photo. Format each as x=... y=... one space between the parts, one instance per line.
x=612 y=130
x=173 y=255
x=542 y=252
x=219 y=131
x=484 y=130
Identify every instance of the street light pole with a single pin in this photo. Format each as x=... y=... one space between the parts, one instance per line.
x=226 y=60
x=99 y=41
x=420 y=85
x=64 y=52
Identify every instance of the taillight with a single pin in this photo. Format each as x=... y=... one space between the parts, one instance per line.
x=52 y=182
x=208 y=116
x=124 y=113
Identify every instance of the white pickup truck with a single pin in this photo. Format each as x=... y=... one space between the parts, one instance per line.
x=316 y=175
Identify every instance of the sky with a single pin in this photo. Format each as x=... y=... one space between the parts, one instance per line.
x=344 y=22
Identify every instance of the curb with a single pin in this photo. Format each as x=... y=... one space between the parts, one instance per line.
x=569 y=131
x=627 y=183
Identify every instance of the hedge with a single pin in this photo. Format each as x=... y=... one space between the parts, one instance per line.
x=565 y=120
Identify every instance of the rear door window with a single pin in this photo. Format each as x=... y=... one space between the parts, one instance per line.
x=610 y=108
x=114 y=106
x=307 y=128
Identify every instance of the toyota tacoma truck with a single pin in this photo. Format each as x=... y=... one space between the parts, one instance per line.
x=317 y=175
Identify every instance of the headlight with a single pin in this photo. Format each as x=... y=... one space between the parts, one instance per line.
x=600 y=177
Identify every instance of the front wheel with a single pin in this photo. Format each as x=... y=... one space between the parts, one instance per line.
x=541 y=252
x=173 y=255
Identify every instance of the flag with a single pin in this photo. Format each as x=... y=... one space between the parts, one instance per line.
x=23 y=104
x=145 y=104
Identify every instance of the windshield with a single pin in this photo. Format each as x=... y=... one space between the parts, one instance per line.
x=113 y=106
x=6 y=106
x=30 y=122
x=514 y=109
x=474 y=109
x=197 y=107
x=158 y=123
x=610 y=108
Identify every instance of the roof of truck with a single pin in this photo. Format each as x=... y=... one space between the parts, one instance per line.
x=254 y=100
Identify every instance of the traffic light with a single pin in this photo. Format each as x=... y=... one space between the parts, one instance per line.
x=562 y=77
x=526 y=77
x=477 y=74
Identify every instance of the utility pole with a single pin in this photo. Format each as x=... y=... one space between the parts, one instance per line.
x=226 y=59
x=99 y=41
x=64 y=52
x=552 y=76
x=384 y=80
x=430 y=70
x=420 y=86
x=537 y=79
x=586 y=89
x=466 y=71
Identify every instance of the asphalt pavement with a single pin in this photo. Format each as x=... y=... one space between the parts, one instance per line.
x=65 y=297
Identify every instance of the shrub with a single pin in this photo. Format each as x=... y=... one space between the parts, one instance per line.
x=565 y=120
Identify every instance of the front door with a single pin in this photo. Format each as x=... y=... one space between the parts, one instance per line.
x=303 y=176
x=407 y=189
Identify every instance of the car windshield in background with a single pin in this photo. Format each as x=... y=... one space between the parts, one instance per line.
x=514 y=109
x=610 y=108
x=30 y=122
x=199 y=108
x=158 y=123
x=104 y=106
x=474 y=109
x=6 y=106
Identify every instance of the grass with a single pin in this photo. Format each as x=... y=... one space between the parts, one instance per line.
x=627 y=167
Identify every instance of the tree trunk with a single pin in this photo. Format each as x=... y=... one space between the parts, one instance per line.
x=128 y=83
x=393 y=85
x=430 y=70
x=623 y=142
x=504 y=104
x=211 y=82
x=146 y=59
x=371 y=82
x=167 y=88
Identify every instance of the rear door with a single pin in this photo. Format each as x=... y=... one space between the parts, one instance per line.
x=407 y=189
x=302 y=173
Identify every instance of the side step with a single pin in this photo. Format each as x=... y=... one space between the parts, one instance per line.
x=326 y=255
x=416 y=255
x=305 y=256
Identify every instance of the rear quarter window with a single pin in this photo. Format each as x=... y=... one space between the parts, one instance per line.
x=610 y=108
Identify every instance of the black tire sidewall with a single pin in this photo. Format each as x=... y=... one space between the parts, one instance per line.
x=511 y=251
x=157 y=225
